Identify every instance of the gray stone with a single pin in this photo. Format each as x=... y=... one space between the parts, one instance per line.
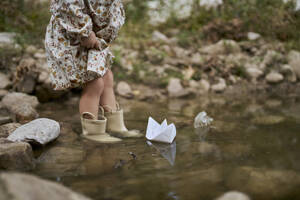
x=222 y=47
x=27 y=84
x=219 y=87
x=31 y=49
x=253 y=72
x=15 y=156
x=294 y=62
x=233 y=195
x=28 y=187
x=4 y=81
x=7 y=129
x=274 y=77
x=40 y=131
x=124 y=89
x=160 y=37
x=175 y=88
x=24 y=113
x=3 y=93
x=253 y=36
x=14 y=99
x=289 y=73
x=7 y=39
x=204 y=85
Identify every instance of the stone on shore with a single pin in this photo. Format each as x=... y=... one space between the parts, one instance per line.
x=7 y=129
x=15 y=156
x=222 y=47
x=175 y=89
x=7 y=40
x=5 y=83
x=29 y=187
x=294 y=62
x=219 y=87
x=41 y=131
x=274 y=77
x=124 y=90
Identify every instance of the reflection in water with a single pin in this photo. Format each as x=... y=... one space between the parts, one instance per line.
x=252 y=147
x=168 y=151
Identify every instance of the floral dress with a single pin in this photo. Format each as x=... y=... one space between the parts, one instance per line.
x=72 y=65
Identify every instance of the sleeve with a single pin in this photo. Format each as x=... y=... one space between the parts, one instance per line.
x=71 y=16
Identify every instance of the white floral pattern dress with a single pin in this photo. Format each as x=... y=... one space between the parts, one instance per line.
x=72 y=65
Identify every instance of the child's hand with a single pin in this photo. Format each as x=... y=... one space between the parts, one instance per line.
x=90 y=42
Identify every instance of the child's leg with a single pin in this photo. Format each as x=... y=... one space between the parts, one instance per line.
x=108 y=95
x=90 y=97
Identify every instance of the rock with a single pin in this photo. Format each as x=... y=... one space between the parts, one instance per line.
x=197 y=59
x=253 y=36
x=124 y=89
x=5 y=83
x=45 y=93
x=274 y=77
x=209 y=4
x=219 y=87
x=160 y=37
x=271 y=57
x=5 y=120
x=14 y=99
x=24 y=113
x=233 y=195
x=289 y=73
x=3 y=93
x=27 y=85
x=222 y=47
x=61 y=161
x=41 y=131
x=204 y=85
x=253 y=72
x=294 y=62
x=15 y=156
x=7 y=39
x=29 y=187
x=7 y=129
x=175 y=88
x=264 y=183
x=40 y=55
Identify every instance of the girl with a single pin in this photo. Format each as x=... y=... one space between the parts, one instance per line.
x=77 y=47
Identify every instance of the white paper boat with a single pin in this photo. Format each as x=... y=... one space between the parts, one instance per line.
x=160 y=132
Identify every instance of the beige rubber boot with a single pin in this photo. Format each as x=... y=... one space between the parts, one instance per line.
x=116 y=125
x=94 y=129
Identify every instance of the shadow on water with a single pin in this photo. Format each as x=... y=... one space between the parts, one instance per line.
x=252 y=147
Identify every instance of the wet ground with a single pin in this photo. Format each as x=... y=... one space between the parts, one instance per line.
x=253 y=147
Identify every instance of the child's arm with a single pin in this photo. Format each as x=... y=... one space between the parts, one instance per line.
x=70 y=15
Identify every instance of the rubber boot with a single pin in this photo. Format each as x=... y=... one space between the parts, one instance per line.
x=116 y=125
x=95 y=129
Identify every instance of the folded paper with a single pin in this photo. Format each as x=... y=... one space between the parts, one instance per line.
x=160 y=132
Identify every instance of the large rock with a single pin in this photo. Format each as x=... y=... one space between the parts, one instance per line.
x=294 y=62
x=4 y=81
x=222 y=47
x=264 y=183
x=28 y=187
x=14 y=99
x=22 y=105
x=253 y=72
x=15 y=156
x=41 y=131
x=175 y=88
x=7 y=129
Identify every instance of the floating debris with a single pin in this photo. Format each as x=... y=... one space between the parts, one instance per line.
x=202 y=120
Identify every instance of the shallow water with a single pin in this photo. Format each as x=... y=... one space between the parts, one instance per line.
x=253 y=147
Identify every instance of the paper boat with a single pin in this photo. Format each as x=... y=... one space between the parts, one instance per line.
x=160 y=132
